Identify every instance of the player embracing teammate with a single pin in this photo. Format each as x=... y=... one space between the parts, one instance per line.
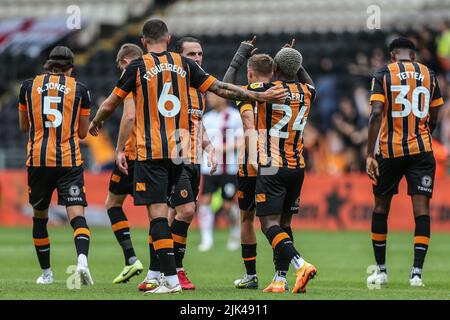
x=160 y=83
x=272 y=153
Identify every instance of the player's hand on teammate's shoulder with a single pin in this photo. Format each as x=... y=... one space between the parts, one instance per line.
x=372 y=167
x=275 y=94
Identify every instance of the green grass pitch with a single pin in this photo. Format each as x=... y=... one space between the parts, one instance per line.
x=341 y=258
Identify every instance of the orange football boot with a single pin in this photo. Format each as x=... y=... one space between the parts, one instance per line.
x=276 y=287
x=304 y=274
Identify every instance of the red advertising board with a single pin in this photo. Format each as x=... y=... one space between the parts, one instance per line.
x=327 y=203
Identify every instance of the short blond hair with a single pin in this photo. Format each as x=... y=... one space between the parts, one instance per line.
x=261 y=64
x=289 y=61
x=129 y=51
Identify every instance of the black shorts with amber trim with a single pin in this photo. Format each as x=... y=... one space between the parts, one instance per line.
x=154 y=180
x=120 y=183
x=279 y=193
x=187 y=187
x=68 y=181
x=246 y=193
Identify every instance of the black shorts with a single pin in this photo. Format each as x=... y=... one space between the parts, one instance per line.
x=68 y=181
x=154 y=180
x=279 y=193
x=246 y=193
x=228 y=184
x=419 y=170
x=120 y=183
x=186 y=190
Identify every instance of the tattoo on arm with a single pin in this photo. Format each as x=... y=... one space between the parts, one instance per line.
x=232 y=92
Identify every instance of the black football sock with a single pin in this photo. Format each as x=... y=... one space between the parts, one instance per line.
x=154 y=260
x=179 y=234
x=41 y=241
x=249 y=257
x=421 y=240
x=281 y=244
x=282 y=265
x=288 y=230
x=379 y=236
x=121 y=229
x=81 y=235
x=163 y=244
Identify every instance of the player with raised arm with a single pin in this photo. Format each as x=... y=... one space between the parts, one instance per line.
x=121 y=184
x=405 y=101
x=184 y=197
x=259 y=71
x=160 y=82
x=281 y=166
x=54 y=109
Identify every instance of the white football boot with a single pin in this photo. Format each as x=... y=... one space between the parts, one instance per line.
x=83 y=271
x=165 y=288
x=45 y=278
x=378 y=277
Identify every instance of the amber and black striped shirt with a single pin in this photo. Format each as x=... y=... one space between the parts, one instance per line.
x=54 y=104
x=245 y=168
x=130 y=146
x=160 y=84
x=280 y=126
x=408 y=90
x=197 y=105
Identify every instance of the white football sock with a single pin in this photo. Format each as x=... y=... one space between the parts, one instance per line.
x=297 y=262
x=280 y=276
x=153 y=274
x=206 y=222
x=47 y=272
x=172 y=281
x=82 y=260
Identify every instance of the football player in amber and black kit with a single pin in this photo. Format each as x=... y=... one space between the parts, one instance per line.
x=54 y=109
x=160 y=83
x=405 y=100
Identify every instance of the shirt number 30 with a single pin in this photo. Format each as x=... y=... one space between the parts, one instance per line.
x=412 y=105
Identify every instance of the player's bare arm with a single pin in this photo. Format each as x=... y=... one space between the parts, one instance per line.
x=83 y=127
x=126 y=124
x=210 y=151
x=302 y=75
x=276 y=94
x=375 y=118
x=250 y=136
x=106 y=109
x=434 y=115
x=24 y=123
x=245 y=51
